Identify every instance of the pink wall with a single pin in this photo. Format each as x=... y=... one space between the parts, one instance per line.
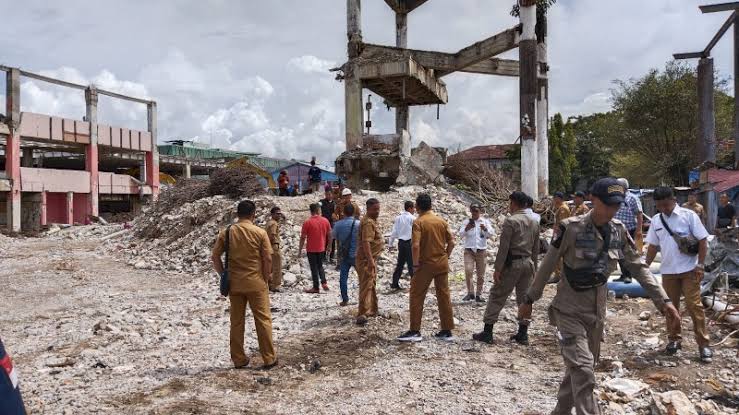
x=80 y=208
x=56 y=207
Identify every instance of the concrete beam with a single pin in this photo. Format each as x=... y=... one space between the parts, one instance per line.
x=689 y=55
x=91 y=150
x=353 y=108
x=402 y=112
x=13 y=97
x=528 y=82
x=485 y=49
x=404 y=6
x=13 y=149
x=151 y=162
x=707 y=119
x=721 y=7
x=727 y=24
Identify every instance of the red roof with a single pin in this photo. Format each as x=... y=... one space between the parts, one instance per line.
x=723 y=180
x=491 y=152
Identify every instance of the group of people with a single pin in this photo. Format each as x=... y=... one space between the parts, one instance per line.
x=586 y=247
x=284 y=188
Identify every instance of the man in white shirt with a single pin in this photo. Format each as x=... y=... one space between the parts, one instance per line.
x=402 y=232
x=681 y=271
x=475 y=233
x=530 y=211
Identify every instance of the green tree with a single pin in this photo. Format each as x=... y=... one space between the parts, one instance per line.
x=562 y=159
x=593 y=152
x=655 y=138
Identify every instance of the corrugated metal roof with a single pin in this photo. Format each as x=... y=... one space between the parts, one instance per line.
x=723 y=180
x=490 y=152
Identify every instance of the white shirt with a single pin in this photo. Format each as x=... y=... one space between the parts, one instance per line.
x=535 y=216
x=682 y=222
x=403 y=227
x=476 y=238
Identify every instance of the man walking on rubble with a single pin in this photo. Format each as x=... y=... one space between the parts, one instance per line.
x=402 y=228
x=346 y=231
x=249 y=264
x=432 y=245
x=371 y=245
x=328 y=207
x=673 y=230
x=314 y=176
x=273 y=232
x=588 y=244
x=515 y=265
x=475 y=233
x=630 y=214
x=317 y=232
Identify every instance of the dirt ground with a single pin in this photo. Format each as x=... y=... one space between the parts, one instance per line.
x=90 y=334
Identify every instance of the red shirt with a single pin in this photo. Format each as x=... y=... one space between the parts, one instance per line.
x=316 y=229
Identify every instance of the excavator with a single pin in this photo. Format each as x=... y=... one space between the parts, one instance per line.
x=164 y=178
x=245 y=163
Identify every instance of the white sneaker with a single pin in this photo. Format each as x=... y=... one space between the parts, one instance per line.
x=410 y=336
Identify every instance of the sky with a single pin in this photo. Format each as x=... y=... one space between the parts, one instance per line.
x=253 y=75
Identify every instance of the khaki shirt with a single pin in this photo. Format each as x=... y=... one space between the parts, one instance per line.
x=578 y=244
x=370 y=232
x=339 y=213
x=247 y=244
x=581 y=210
x=273 y=232
x=519 y=239
x=697 y=208
x=431 y=236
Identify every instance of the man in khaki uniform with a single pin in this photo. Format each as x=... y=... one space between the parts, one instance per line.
x=696 y=207
x=561 y=212
x=580 y=207
x=346 y=198
x=514 y=267
x=590 y=246
x=273 y=232
x=432 y=244
x=371 y=245
x=249 y=269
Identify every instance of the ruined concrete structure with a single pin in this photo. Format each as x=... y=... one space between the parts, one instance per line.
x=32 y=195
x=406 y=77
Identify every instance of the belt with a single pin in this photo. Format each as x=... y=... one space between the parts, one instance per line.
x=476 y=249
x=404 y=240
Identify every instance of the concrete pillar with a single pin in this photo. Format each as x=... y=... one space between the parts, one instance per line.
x=402 y=112
x=186 y=171
x=152 y=158
x=528 y=82
x=69 y=208
x=91 y=150
x=44 y=216
x=542 y=110
x=736 y=91
x=354 y=115
x=706 y=148
x=13 y=149
x=27 y=158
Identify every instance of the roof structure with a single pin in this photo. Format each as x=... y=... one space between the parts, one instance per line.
x=723 y=180
x=488 y=152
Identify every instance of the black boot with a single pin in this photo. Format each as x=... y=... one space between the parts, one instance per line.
x=522 y=337
x=485 y=336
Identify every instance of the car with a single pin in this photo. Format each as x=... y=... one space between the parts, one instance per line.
x=11 y=402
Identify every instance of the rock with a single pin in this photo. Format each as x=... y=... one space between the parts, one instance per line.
x=645 y=315
x=628 y=388
x=263 y=380
x=672 y=403
x=315 y=366
x=705 y=407
x=140 y=265
x=289 y=279
x=60 y=362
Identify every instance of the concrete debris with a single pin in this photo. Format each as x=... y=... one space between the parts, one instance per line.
x=672 y=403
x=628 y=388
x=645 y=315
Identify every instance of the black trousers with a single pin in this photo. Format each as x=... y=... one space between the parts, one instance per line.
x=405 y=257
x=331 y=254
x=625 y=273
x=315 y=259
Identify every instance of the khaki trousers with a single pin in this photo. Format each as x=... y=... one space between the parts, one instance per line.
x=367 y=291
x=259 y=303
x=516 y=276
x=475 y=261
x=276 y=280
x=579 y=339
x=677 y=285
x=419 y=287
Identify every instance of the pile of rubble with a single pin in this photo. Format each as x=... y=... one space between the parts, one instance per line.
x=181 y=239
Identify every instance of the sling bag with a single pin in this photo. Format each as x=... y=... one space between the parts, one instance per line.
x=225 y=284
x=345 y=247
x=688 y=245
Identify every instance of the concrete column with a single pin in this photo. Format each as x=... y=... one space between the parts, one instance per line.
x=354 y=111
x=27 y=158
x=13 y=149
x=707 y=119
x=69 y=208
x=186 y=171
x=152 y=158
x=44 y=216
x=91 y=150
x=402 y=112
x=736 y=91
x=542 y=110
x=528 y=82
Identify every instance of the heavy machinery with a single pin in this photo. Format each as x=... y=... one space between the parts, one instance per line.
x=245 y=163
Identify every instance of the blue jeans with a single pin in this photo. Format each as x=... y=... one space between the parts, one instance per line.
x=346 y=265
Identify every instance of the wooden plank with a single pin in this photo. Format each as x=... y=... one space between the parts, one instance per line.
x=721 y=7
x=719 y=34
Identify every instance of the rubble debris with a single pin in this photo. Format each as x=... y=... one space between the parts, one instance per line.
x=672 y=402
x=645 y=315
x=628 y=388
x=234 y=182
x=489 y=186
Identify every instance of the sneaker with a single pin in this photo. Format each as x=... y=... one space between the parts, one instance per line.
x=343 y=303
x=410 y=336
x=395 y=287
x=311 y=291
x=468 y=297
x=706 y=354
x=444 y=335
x=479 y=299
x=673 y=347
x=483 y=336
x=324 y=286
x=361 y=320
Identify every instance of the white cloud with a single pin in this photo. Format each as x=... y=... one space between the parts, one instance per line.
x=310 y=63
